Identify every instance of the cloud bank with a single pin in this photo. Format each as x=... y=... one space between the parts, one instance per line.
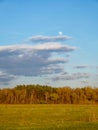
x=29 y=60
x=34 y=59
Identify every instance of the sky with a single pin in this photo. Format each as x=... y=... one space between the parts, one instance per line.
x=49 y=42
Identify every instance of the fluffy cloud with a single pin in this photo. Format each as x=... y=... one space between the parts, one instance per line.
x=29 y=60
x=39 y=59
x=43 y=39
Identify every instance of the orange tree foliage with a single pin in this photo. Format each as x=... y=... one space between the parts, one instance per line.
x=39 y=94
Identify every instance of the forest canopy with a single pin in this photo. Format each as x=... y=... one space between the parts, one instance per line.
x=43 y=94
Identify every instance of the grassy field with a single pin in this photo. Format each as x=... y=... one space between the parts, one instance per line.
x=49 y=117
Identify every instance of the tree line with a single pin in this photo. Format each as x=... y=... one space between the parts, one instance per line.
x=41 y=94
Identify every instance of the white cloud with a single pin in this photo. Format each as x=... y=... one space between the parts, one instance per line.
x=35 y=59
x=57 y=60
x=51 y=69
x=81 y=66
x=73 y=76
x=53 y=46
x=60 y=33
x=43 y=39
x=29 y=59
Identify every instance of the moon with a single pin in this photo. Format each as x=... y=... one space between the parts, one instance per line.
x=60 y=33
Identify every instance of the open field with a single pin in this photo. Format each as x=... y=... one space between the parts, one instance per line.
x=49 y=117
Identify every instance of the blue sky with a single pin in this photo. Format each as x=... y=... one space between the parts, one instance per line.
x=50 y=42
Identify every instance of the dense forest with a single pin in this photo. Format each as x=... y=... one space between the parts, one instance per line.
x=41 y=94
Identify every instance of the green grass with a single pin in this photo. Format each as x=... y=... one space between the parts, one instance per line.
x=49 y=117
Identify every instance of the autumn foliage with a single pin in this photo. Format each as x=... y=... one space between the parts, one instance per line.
x=39 y=94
